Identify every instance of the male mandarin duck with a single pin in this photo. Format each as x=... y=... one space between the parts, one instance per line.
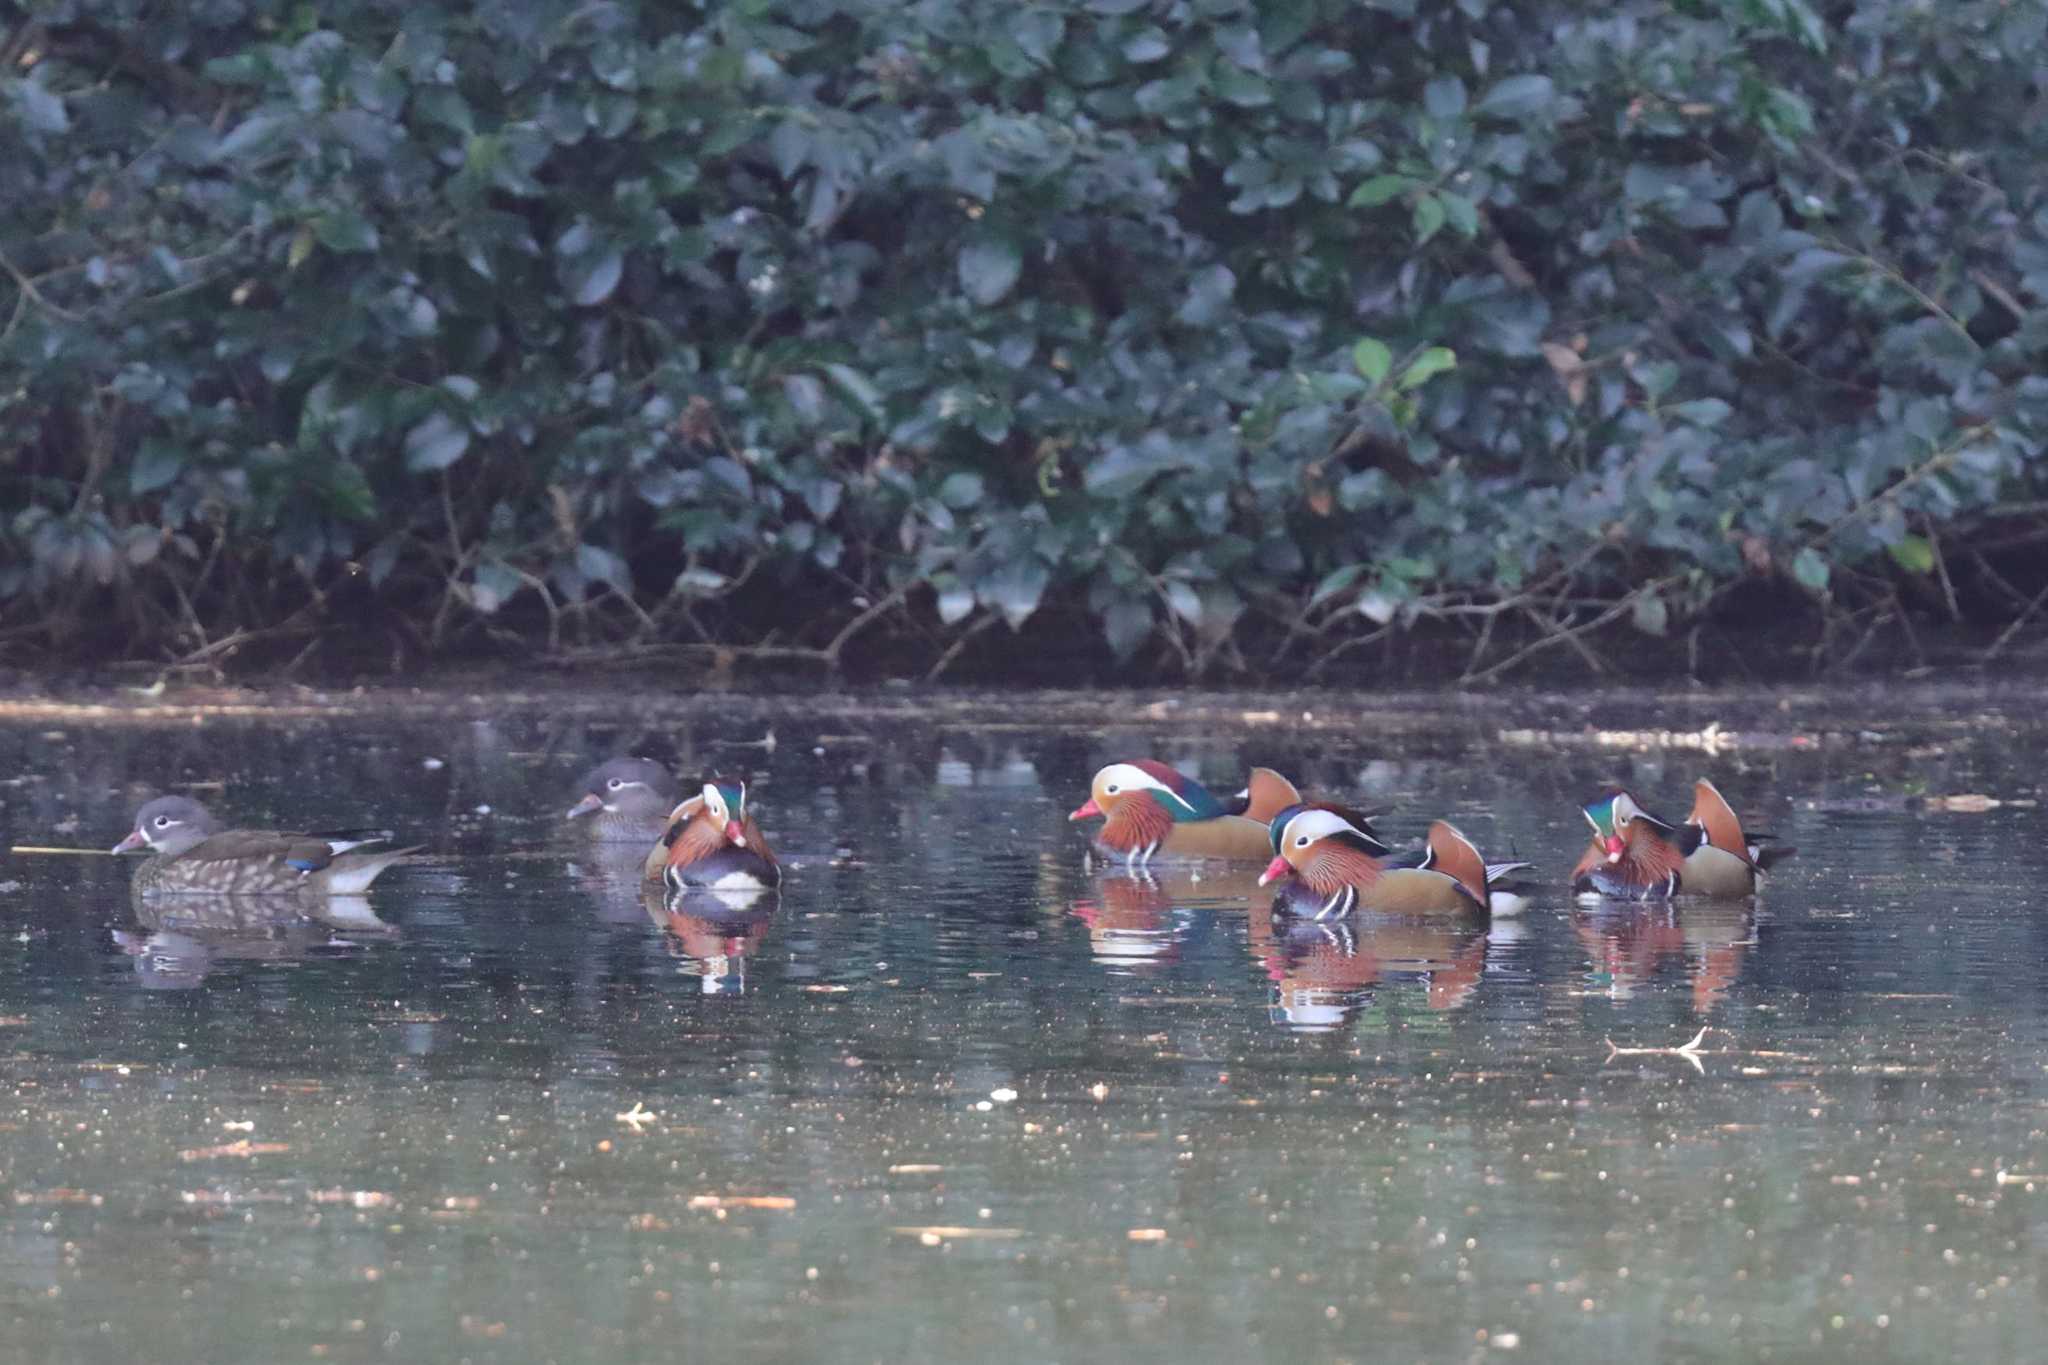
x=1333 y=864
x=712 y=841
x=1636 y=856
x=1633 y=856
x=192 y=855
x=1266 y=793
x=631 y=798
x=1151 y=811
x=1726 y=862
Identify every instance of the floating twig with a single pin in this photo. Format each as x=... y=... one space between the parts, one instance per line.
x=77 y=852
x=1690 y=1051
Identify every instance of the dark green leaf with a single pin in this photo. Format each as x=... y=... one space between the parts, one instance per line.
x=1444 y=97
x=1373 y=357
x=1517 y=97
x=1810 y=569
x=1015 y=588
x=1650 y=615
x=1462 y=213
x=1208 y=296
x=1425 y=367
x=961 y=490
x=1914 y=554
x=1428 y=217
x=857 y=387
x=988 y=267
x=37 y=107
x=435 y=443
x=345 y=230
x=1380 y=189
x=590 y=278
x=1127 y=624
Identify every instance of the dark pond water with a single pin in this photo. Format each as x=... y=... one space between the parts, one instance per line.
x=955 y=1097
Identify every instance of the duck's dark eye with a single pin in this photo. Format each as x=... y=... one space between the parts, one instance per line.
x=164 y=822
x=1302 y=842
x=616 y=783
x=1111 y=790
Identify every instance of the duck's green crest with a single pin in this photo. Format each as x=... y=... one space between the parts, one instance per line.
x=1601 y=813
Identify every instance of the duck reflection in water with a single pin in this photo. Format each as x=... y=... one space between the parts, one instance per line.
x=713 y=933
x=1323 y=972
x=177 y=944
x=1139 y=918
x=1627 y=944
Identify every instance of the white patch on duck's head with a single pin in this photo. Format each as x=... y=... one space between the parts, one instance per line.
x=727 y=814
x=169 y=824
x=1119 y=780
x=1305 y=830
x=639 y=780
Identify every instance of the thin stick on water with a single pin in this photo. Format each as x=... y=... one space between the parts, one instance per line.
x=1690 y=1051
x=76 y=852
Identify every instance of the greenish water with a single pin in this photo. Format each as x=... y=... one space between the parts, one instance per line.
x=956 y=1097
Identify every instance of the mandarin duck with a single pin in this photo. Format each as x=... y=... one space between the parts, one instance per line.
x=1332 y=864
x=192 y=855
x=1726 y=862
x=1636 y=856
x=1151 y=811
x=631 y=798
x=712 y=842
x=1266 y=793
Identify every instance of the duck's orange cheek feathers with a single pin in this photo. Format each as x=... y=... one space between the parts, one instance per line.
x=1275 y=870
x=1087 y=810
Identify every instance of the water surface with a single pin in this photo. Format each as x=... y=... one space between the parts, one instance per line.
x=957 y=1095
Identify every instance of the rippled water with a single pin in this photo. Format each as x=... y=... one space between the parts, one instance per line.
x=955 y=1095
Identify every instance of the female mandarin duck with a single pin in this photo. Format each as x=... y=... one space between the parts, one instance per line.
x=1153 y=811
x=1333 y=865
x=713 y=842
x=631 y=798
x=1636 y=856
x=192 y=855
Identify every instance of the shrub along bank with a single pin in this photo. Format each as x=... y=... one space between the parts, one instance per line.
x=1239 y=330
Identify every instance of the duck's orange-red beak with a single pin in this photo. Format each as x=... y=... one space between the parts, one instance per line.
x=1087 y=810
x=1275 y=870
x=734 y=834
x=1614 y=848
x=133 y=841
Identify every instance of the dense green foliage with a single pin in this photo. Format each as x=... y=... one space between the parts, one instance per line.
x=1211 y=321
